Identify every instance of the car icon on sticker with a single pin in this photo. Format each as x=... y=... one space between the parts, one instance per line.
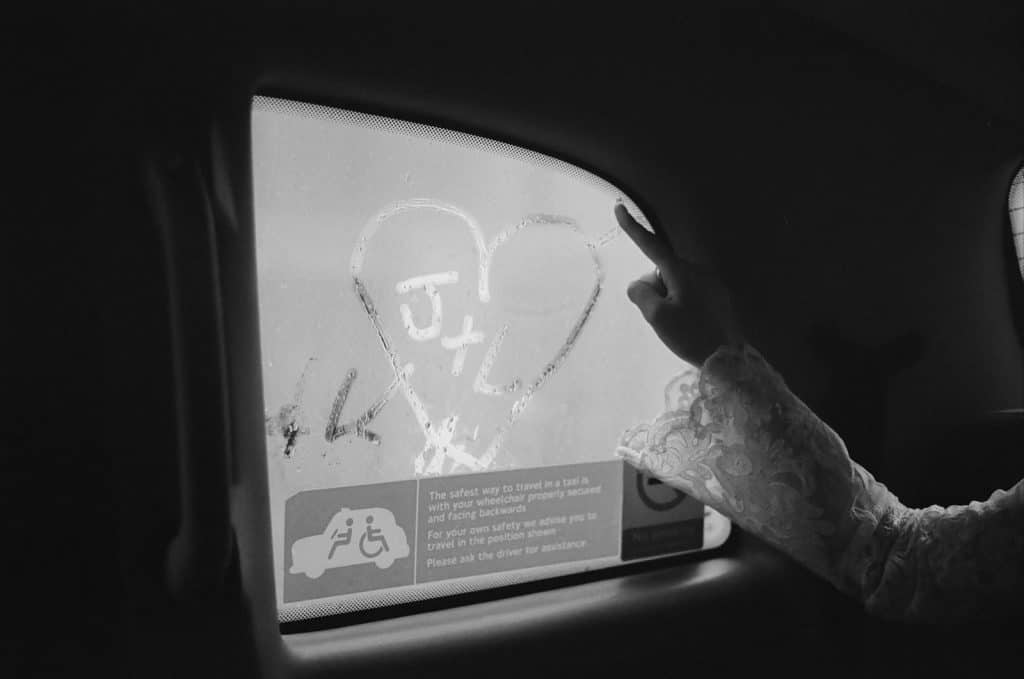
x=352 y=536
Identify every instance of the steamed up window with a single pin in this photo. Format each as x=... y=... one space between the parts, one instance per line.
x=1017 y=216
x=449 y=362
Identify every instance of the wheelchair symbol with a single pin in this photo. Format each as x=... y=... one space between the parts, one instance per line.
x=381 y=542
x=372 y=535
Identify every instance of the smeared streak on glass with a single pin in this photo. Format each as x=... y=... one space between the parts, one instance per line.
x=439 y=440
x=371 y=311
x=443 y=447
x=520 y=405
x=333 y=432
x=460 y=344
x=395 y=209
x=402 y=374
x=291 y=436
x=604 y=239
x=421 y=282
x=552 y=367
x=447 y=449
x=434 y=439
x=429 y=285
x=480 y=384
x=286 y=421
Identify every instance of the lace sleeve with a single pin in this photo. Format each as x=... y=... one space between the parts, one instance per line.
x=734 y=437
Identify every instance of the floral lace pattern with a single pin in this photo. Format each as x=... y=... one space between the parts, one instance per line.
x=734 y=437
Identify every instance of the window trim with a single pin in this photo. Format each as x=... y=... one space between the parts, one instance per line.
x=1015 y=208
x=231 y=179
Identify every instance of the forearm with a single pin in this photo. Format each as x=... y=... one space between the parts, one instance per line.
x=951 y=564
x=737 y=439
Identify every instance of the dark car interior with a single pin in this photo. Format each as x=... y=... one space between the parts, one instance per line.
x=845 y=166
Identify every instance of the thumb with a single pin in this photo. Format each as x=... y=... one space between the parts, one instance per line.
x=647 y=298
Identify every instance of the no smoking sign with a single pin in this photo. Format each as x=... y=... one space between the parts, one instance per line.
x=657 y=519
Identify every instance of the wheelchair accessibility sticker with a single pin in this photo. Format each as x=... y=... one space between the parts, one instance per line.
x=353 y=536
x=345 y=540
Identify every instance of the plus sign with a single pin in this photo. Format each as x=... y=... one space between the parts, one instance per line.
x=460 y=344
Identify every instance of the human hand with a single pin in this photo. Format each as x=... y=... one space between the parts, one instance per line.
x=686 y=303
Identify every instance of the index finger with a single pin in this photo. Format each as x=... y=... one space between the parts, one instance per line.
x=656 y=249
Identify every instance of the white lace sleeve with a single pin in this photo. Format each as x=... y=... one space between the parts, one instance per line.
x=735 y=437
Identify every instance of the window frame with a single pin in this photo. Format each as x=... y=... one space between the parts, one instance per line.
x=483 y=593
x=710 y=585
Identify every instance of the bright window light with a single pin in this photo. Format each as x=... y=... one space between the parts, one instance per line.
x=449 y=362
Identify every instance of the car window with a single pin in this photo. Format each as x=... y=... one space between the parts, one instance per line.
x=449 y=365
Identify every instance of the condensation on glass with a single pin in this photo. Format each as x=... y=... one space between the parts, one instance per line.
x=445 y=337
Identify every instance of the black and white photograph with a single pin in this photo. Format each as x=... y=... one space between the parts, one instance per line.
x=513 y=340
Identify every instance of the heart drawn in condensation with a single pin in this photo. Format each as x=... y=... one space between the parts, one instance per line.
x=440 y=445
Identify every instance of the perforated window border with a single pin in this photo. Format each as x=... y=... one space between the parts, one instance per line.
x=262 y=103
x=1015 y=204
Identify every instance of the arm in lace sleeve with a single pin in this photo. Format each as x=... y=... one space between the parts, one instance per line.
x=734 y=437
